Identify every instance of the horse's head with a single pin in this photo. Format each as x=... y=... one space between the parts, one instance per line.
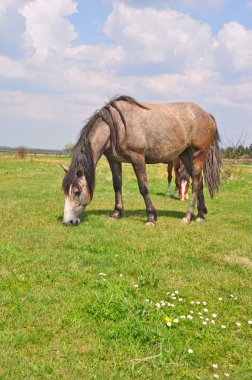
x=77 y=195
x=183 y=183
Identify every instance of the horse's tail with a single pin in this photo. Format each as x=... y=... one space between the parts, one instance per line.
x=212 y=165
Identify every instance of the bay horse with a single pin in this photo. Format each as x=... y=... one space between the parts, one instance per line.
x=125 y=130
x=182 y=179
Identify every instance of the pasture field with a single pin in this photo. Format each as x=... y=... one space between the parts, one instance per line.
x=93 y=301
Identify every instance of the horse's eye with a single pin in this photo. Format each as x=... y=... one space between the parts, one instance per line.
x=77 y=193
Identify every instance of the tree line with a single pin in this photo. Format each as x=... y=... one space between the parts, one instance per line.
x=237 y=151
x=233 y=151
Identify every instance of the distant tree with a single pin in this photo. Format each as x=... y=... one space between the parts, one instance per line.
x=250 y=150
x=235 y=150
x=68 y=149
x=21 y=152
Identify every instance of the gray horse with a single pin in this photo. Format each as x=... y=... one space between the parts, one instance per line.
x=126 y=131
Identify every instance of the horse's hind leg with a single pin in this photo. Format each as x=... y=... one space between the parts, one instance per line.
x=193 y=161
x=202 y=210
x=138 y=163
x=116 y=169
x=169 y=174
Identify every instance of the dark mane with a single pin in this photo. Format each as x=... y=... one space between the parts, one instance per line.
x=82 y=153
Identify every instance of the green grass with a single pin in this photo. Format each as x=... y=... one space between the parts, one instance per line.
x=60 y=319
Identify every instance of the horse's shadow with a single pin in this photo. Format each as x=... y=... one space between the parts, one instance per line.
x=129 y=213
x=139 y=212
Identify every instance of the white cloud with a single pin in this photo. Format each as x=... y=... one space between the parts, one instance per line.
x=95 y=56
x=49 y=51
x=9 y=7
x=10 y=68
x=48 y=31
x=199 y=4
x=153 y=54
x=235 y=43
x=160 y=37
x=4 y=6
x=175 y=4
x=29 y=106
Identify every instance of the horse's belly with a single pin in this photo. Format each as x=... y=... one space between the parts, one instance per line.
x=163 y=154
x=163 y=158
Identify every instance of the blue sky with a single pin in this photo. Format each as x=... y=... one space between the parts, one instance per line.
x=60 y=60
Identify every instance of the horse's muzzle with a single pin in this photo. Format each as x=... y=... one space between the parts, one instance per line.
x=71 y=222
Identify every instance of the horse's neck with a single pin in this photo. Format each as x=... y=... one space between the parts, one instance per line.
x=99 y=139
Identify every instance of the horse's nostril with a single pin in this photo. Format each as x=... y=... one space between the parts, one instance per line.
x=71 y=222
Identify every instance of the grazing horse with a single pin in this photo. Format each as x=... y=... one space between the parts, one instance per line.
x=125 y=130
x=182 y=179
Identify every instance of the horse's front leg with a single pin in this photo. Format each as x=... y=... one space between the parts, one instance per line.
x=116 y=169
x=140 y=171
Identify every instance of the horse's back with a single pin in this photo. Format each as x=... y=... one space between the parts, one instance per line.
x=163 y=131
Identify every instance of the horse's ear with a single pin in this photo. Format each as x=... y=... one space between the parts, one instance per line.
x=80 y=171
x=65 y=168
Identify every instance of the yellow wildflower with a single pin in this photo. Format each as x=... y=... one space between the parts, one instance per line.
x=168 y=319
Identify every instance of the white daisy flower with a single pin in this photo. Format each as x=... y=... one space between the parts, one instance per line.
x=250 y=322
x=238 y=324
x=223 y=326
x=204 y=303
x=215 y=365
x=169 y=324
x=180 y=299
x=214 y=315
x=204 y=323
x=226 y=374
x=189 y=316
x=192 y=302
x=176 y=292
x=191 y=312
x=201 y=317
x=176 y=320
x=158 y=305
x=220 y=298
x=198 y=302
x=182 y=316
x=207 y=319
x=190 y=351
x=199 y=313
x=205 y=310
x=102 y=274
x=147 y=300
x=216 y=376
x=213 y=322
